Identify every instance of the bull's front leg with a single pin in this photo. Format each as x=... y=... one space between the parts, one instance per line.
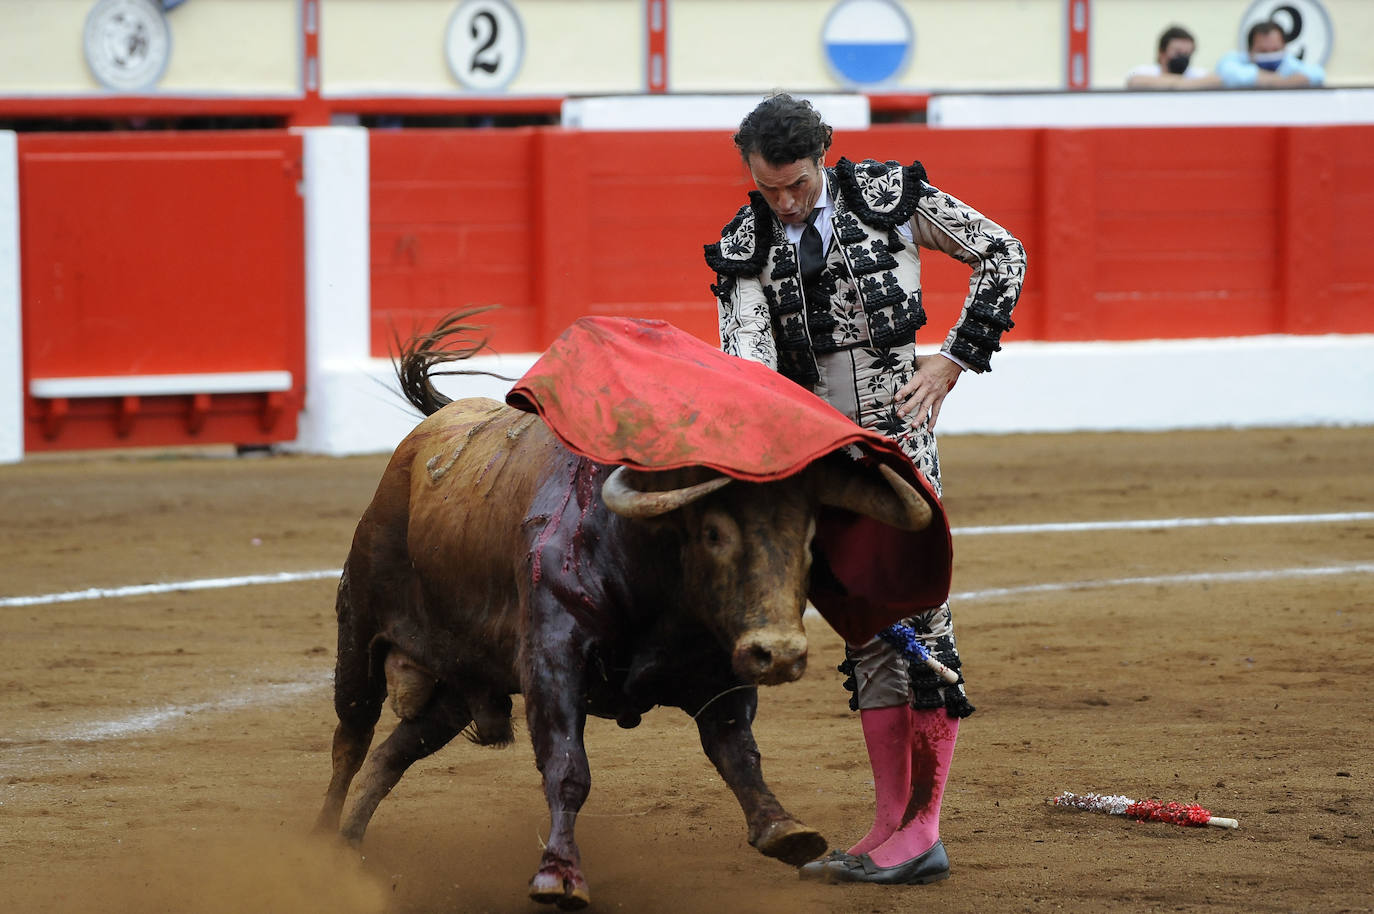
x=727 y=735
x=555 y=711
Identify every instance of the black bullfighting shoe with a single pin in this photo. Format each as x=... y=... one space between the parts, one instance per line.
x=932 y=866
x=817 y=869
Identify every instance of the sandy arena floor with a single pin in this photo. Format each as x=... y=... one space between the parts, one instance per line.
x=167 y=751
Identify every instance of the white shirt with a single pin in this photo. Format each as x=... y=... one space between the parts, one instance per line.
x=822 y=221
x=1154 y=69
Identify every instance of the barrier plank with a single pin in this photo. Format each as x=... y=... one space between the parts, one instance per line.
x=161 y=254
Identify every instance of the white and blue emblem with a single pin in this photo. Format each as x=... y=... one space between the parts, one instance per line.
x=867 y=42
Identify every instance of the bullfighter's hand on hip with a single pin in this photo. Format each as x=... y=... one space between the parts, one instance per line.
x=921 y=396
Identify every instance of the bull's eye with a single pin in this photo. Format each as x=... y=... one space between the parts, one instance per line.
x=718 y=533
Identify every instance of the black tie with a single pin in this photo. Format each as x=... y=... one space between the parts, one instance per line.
x=810 y=255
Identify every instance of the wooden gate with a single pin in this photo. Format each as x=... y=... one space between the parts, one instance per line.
x=163 y=288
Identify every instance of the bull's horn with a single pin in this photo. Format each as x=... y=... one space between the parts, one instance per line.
x=627 y=501
x=862 y=494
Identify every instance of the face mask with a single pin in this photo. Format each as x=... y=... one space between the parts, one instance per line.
x=1269 y=60
x=1178 y=63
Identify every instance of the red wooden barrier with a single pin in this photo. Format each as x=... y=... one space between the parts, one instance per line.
x=1131 y=233
x=454 y=219
x=146 y=256
x=160 y=254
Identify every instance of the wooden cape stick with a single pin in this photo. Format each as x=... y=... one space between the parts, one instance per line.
x=1142 y=810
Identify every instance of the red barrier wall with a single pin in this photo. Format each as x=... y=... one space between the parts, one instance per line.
x=157 y=254
x=453 y=217
x=1131 y=233
x=182 y=253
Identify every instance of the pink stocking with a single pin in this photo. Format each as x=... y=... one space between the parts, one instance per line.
x=931 y=747
x=887 y=734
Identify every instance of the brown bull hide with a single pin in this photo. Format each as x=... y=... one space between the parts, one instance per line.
x=487 y=564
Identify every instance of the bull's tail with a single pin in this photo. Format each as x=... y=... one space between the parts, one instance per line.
x=451 y=340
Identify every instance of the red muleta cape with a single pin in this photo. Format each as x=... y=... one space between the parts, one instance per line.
x=644 y=394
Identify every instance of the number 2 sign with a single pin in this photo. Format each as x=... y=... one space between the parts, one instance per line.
x=1306 y=26
x=485 y=44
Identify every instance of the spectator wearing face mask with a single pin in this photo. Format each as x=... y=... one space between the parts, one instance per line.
x=1173 y=67
x=1266 y=64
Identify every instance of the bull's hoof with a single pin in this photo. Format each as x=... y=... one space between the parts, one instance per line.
x=567 y=890
x=791 y=842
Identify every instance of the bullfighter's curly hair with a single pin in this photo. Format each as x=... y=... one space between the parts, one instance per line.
x=783 y=129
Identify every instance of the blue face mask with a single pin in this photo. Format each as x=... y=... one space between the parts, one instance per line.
x=1268 y=60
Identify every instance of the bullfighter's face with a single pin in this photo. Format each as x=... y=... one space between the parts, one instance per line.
x=791 y=189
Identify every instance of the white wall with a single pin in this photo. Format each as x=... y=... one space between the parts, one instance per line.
x=1147 y=109
x=371 y=48
x=218 y=46
x=337 y=283
x=699 y=112
x=736 y=46
x=1154 y=385
x=11 y=349
x=1159 y=385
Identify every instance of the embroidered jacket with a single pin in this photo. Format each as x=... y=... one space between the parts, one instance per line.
x=872 y=279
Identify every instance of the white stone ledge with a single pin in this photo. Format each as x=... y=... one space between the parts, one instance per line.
x=161 y=385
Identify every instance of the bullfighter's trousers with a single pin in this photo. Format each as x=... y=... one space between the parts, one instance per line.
x=862 y=384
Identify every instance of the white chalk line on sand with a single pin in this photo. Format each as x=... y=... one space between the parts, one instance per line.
x=288 y=577
x=139 y=590
x=281 y=693
x=1207 y=577
x=149 y=719
x=1170 y=523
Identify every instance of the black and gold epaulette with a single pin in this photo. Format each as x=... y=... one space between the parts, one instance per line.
x=744 y=242
x=882 y=194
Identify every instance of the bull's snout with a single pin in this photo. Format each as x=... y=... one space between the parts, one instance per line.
x=768 y=658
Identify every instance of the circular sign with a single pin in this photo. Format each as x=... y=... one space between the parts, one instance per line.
x=485 y=45
x=1306 y=27
x=867 y=41
x=127 y=44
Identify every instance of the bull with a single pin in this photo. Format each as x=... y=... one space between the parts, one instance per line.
x=492 y=560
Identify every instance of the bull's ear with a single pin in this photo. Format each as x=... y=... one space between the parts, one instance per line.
x=884 y=496
x=621 y=496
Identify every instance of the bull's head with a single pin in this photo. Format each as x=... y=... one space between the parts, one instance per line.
x=746 y=549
